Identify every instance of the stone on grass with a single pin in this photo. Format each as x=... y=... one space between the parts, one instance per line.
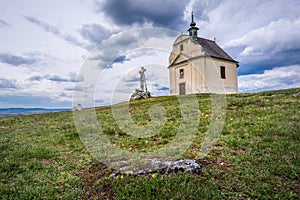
x=161 y=167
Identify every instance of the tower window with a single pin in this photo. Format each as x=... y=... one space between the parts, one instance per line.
x=222 y=72
x=181 y=47
x=181 y=73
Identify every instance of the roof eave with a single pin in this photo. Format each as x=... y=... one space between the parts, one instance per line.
x=231 y=60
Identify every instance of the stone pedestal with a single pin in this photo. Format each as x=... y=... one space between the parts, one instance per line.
x=139 y=94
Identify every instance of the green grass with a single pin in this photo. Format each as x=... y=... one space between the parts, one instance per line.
x=256 y=157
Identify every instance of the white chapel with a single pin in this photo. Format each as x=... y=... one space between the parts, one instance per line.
x=199 y=65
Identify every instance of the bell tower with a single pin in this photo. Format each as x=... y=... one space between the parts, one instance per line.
x=193 y=29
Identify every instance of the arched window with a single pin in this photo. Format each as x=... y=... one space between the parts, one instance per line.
x=181 y=73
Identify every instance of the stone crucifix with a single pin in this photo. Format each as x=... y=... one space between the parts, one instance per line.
x=142 y=79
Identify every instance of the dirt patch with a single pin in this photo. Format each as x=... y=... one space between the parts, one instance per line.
x=95 y=186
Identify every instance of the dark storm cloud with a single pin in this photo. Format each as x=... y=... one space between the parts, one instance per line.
x=15 y=60
x=8 y=84
x=167 y=13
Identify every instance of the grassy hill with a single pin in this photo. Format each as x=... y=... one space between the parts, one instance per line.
x=256 y=157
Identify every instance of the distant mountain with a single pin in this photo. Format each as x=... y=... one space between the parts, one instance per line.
x=26 y=111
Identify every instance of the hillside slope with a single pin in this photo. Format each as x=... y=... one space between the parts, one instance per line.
x=256 y=156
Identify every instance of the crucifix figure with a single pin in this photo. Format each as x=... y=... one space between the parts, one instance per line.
x=142 y=78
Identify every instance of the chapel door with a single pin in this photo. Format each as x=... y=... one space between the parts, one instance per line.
x=181 y=88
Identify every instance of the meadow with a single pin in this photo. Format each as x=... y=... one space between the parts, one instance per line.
x=256 y=157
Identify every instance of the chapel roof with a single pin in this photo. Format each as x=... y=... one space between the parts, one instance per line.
x=211 y=48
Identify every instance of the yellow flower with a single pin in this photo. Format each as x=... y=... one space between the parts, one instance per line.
x=153 y=176
x=130 y=148
x=121 y=177
x=123 y=145
x=131 y=172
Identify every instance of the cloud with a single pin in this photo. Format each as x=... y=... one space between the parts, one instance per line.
x=167 y=13
x=260 y=35
x=94 y=33
x=79 y=88
x=254 y=36
x=16 y=60
x=116 y=48
x=8 y=84
x=36 y=78
x=134 y=78
x=47 y=27
x=3 y=23
x=278 y=78
x=113 y=49
x=201 y=9
x=164 y=89
x=270 y=43
x=121 y=59
x=55 y=31
x=227 y=20
x=57 y=78
x=72 y=77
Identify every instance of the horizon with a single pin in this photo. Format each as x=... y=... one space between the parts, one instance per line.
x=70 y=108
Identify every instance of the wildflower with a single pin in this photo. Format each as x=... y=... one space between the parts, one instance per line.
x=130 y=149
x=153 y=176
x=131 y=172
x=121 y=177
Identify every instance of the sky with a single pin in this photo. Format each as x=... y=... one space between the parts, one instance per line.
x=49 y=49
